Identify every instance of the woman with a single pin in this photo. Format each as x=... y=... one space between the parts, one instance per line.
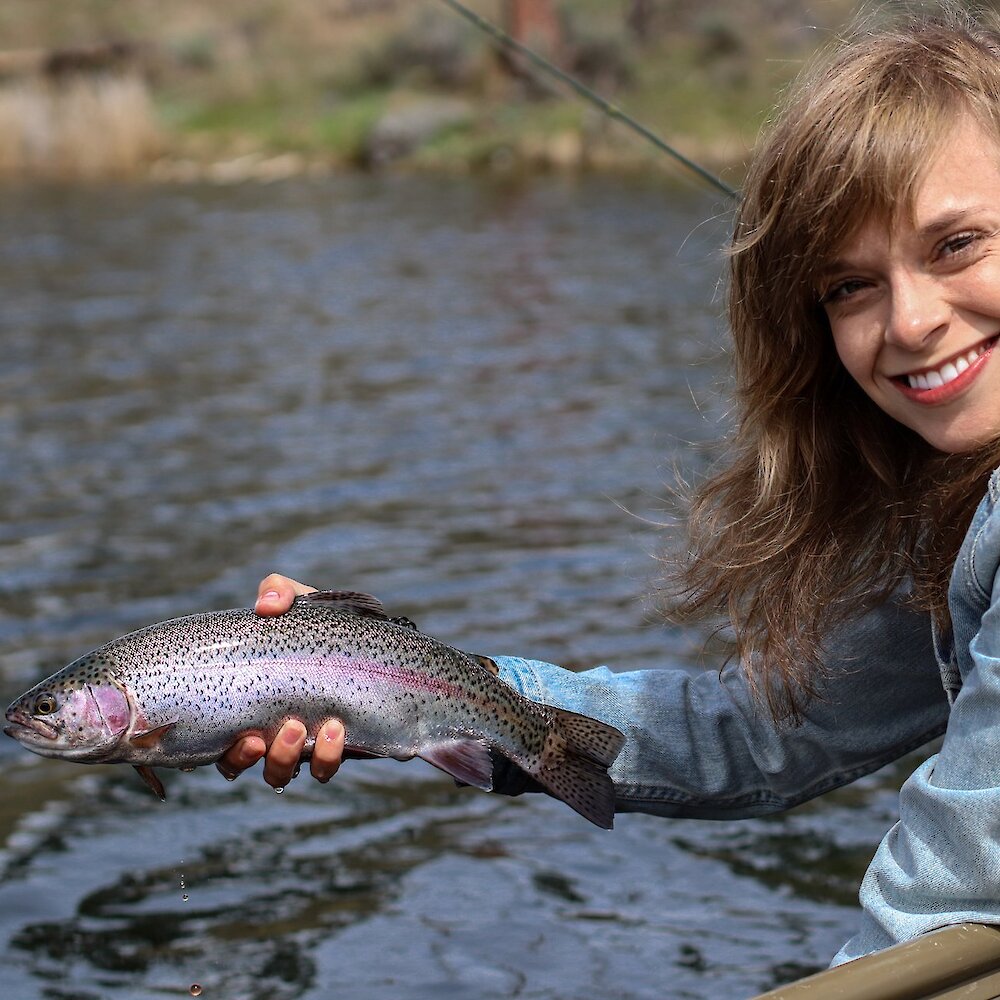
x=865 y=309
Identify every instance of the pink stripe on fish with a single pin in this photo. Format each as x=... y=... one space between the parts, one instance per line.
x=353 y=667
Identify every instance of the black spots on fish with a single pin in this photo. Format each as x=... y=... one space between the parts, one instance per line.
x=310 y=687
x=94 y=668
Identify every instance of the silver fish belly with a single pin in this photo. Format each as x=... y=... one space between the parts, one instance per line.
x=181 y=692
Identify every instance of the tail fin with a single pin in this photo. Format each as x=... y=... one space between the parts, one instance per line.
x=574 y=763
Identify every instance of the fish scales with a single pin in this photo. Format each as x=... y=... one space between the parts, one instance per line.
x=179 y=693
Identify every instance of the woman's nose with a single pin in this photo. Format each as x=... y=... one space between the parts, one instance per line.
x=919 y=311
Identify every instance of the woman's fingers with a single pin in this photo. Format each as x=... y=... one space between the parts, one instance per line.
x=282 y=760
x=284 y=756
x=276 y=593
x=241 y=755
x=328 y=751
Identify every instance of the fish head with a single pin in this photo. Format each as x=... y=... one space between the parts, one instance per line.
x=79 y=713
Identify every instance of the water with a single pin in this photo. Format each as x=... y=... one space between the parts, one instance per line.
x=464 y=398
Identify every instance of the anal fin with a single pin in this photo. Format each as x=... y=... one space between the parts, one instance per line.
x=466 y=760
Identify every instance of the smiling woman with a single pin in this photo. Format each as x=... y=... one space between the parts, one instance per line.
x=913 y=302
x=847 y=482
x=865 y=309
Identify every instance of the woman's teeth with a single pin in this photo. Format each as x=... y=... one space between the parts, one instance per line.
x=948 y=372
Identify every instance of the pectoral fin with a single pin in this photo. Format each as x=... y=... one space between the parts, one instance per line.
x=149 y=738
x=150 y=777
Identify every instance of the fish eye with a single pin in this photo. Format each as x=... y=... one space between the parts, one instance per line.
x=45 y=704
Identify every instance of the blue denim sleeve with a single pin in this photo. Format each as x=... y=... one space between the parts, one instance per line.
x=698 y=746
x=940 y=864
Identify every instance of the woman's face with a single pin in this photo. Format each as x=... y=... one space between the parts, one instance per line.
x=914 y=306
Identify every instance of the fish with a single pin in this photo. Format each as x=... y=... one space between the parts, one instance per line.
x=179 y=693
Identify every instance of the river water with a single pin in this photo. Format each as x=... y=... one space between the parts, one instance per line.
x=465 y=397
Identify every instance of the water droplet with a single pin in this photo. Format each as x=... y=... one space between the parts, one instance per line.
x=185 y=897
x=187 y=770
x=195 y=990
x=280 y=789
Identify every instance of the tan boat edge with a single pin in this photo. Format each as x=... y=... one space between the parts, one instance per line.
x=960 y=962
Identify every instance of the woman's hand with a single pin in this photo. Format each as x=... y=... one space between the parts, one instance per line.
x=274 y=597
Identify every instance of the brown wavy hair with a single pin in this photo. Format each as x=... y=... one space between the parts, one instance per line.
x=825 y=505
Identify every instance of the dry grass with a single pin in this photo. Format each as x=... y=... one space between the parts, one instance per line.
x=314 y=77
x=84 y=127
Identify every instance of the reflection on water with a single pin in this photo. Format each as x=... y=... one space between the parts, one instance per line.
x=465 y=399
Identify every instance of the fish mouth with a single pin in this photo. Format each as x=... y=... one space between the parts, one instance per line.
x=27 y=728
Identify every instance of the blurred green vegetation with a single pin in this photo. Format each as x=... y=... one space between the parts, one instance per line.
x=347 y=82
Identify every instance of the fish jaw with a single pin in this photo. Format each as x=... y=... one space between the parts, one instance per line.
x=28 y=730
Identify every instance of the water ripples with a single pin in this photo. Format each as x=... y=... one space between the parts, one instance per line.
x=463 y=398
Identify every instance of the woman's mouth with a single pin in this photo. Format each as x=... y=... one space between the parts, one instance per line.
x=934 y=385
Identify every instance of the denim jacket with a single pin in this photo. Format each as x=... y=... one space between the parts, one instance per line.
x=940 y=864
x=697 y=746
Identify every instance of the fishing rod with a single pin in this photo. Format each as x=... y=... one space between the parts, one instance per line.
x=611 y=110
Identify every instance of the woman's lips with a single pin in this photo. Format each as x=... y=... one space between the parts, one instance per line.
x=958 y=380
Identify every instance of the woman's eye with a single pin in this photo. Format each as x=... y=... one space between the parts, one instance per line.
x=957 y=243
x=45 y=704
x=841 y=290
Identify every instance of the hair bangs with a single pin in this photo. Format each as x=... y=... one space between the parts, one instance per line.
x=871 y=146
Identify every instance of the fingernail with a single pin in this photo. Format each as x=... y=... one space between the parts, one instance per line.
x=292 y=736
x=268 y=595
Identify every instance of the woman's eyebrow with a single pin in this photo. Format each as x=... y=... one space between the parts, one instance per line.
x=933 y=228
x=941 y=223
x=832 y=267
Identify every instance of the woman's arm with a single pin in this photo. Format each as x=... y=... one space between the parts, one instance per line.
x=698 y=746
x=940 y=864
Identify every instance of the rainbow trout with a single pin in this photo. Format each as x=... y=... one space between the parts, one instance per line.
x=180 y=693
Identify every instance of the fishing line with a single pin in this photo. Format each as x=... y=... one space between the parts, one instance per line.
x=611 y=110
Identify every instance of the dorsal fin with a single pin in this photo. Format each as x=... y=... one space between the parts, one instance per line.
x=486 y=663
x=347 y=600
